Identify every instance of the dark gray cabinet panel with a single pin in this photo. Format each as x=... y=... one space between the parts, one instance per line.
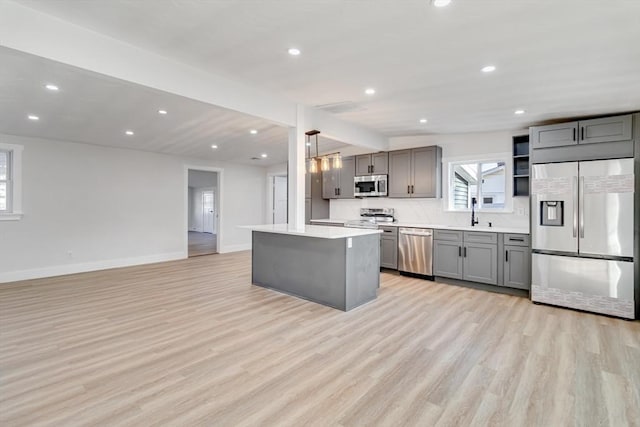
x=447 y=259
x=380 y=163
x=307 y=211
x=606 y=129
x=363 y=165
x=307 y=184
x=554 y=135
x=345 y=178
x=389 y=252
x=400 y=173
x=480 y=263
x=330 y=184
x=450 y=235
x=425 y=167
x=480 y=237
x=319 y=206
x=338 y=183
x=516 y=239
x=517 y=267
x=415 y=172
x=372 y=164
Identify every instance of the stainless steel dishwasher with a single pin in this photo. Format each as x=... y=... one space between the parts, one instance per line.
x=415 y=251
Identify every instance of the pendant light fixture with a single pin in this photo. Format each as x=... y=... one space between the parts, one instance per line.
x=325 y=161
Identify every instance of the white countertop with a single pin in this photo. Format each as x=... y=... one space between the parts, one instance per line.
x=516 y=230
x=318 y=231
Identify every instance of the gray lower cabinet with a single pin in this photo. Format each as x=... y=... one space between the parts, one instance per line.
x=389 y=251
x=447 y=259
x=480 y=263
x=517 y=267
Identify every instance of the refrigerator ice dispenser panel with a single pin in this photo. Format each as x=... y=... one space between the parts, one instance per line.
x=552 y=213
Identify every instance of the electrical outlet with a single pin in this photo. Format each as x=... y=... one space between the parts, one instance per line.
x=349 y=242
x=520 y=211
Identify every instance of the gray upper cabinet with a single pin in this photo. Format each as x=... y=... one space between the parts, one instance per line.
x=372 y=164
x=447 y=259
x=517 y=267
x=415 y=172
x=606 y=129
x=345 y=178
x=480 y=263
x=338 y=183
x=400 y=173
x=554 y=135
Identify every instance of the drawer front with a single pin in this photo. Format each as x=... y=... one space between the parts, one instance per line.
x=516 y=239
x=447 y=235
x=480 y=237
x=389 y=231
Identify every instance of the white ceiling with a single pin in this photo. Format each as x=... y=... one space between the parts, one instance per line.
x=554 y=58
x=96 y=109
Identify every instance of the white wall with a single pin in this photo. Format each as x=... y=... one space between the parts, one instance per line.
x=89 y=207
x=432 y=211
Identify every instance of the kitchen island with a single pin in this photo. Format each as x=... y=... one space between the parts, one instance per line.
x=336 y=267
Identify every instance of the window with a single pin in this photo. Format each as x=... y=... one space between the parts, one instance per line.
x=10 y=182
x=5 y=181
x=481 y=181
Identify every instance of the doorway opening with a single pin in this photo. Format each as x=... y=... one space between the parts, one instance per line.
x=202 y=200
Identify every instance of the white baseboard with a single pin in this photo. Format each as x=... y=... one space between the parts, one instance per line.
x=235 y=248
x=61 y=270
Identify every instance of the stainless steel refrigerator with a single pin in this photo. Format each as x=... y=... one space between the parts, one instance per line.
x=582 y=216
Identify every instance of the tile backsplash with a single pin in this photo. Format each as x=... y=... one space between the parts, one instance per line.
x=431 y=211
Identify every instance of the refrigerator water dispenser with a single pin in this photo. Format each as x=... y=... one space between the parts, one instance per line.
x=552 y=213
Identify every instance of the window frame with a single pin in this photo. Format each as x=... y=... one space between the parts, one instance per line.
x=14 y=182
x=449 y=196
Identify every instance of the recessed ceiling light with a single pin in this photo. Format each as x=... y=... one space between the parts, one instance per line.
x=129 y=132
x=370 y=91
x=423 y=120
x=253 y=131
x=519 y=112
x=263 y=155
x=214 y=146
x=163 y=112
x=33 y=117
x=488 y=68
x=440 y=3
x=294 y=51
x=51 y=87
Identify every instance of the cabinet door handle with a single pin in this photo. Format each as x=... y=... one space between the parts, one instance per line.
x=408 y=189
x=338 y=191
x=574 y=134
x=335 y=191
x=372 y=168
x=459 y=251
x=506 y=256
x=412 y=189
x=582 y=133
x=465 y=251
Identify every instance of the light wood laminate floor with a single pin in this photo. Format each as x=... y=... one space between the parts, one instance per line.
x=202 y=243
x=193 y=343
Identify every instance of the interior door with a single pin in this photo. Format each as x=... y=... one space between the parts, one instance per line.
x=208 y=212
x=606 y=207
x=279 y=199
x=554 y=207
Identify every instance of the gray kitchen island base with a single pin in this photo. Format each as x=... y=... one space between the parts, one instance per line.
x=325 y=271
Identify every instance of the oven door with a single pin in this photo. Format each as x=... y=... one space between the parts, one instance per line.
x=370 y=186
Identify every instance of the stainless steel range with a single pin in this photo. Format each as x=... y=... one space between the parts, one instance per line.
x=371 y=217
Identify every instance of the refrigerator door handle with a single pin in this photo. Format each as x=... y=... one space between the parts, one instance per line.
x=581 y=197
x=575 y=206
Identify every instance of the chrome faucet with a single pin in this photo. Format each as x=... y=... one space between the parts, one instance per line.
x=474 y=220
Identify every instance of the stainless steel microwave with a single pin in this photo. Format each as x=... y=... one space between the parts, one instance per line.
x=370 y=186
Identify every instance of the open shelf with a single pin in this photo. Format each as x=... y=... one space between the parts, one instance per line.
x=521 y=166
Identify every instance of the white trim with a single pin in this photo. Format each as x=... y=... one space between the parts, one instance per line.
x=236 y=248
x=11 y=216
x=61 y=270
x=16 y=182
x=507 y=157
x=220 y=197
